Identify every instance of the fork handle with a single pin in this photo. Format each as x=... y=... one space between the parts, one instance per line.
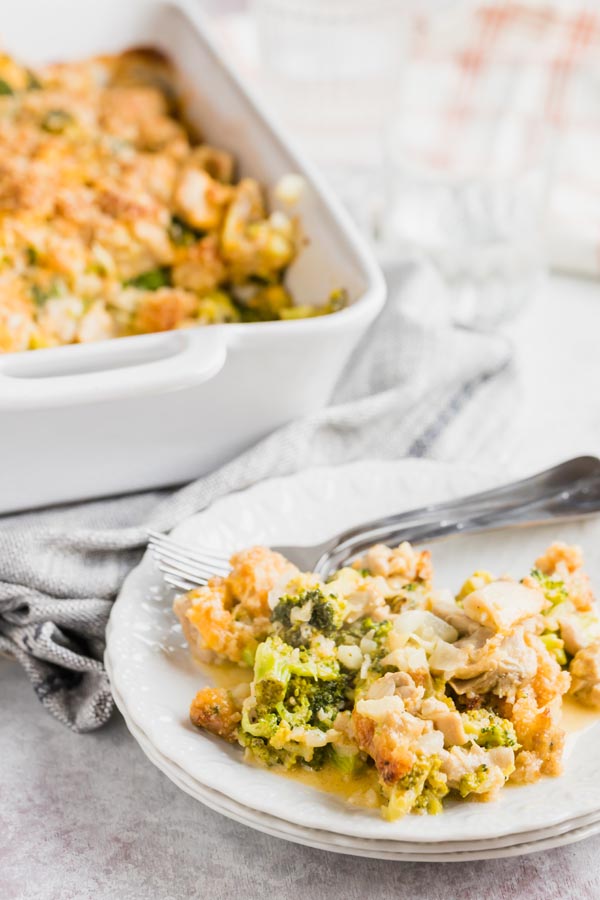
x=544 y=498
x=561 y=477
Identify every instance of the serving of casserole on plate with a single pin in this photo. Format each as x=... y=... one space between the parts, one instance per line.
x=145 y=200
x=388 y=687
x=385 y=691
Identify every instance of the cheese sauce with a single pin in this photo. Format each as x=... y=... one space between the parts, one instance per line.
x=576 y=717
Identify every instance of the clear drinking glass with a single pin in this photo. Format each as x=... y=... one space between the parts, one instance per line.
x=469 y=194
x=330 y=68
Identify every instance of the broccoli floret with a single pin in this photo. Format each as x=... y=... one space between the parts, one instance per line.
x=489 y=730
x=151 y=280
x=295 y=697
x=277 y=661
x=182 y=234
x=262 y=751
x=421 y=789
x=301 y=617
x=217 y=307
x=471 y=782
x=367 y=628
x=556 y=646
x=380 y=630
x=555 y=590
x=323 y=699
x=348 y=764
x=337 y=300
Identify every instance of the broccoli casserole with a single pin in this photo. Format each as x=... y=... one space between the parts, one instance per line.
x=116 y=219
x=406 y=692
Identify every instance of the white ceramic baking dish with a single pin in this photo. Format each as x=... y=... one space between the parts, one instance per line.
x=133 y=413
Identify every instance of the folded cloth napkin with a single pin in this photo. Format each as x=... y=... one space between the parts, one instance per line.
x=61 y=568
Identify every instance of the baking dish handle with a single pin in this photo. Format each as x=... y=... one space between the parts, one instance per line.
x=111 y=370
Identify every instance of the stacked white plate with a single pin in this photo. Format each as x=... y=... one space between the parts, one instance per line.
x=154 y=678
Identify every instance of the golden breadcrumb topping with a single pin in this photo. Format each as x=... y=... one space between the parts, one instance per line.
x=117 y=219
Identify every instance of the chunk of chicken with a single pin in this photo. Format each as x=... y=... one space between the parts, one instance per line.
x=573 y=634
x=406 y=688
x=215 y=710
x=444 y=719
x=447 y=609
x=199 y=199
x=501 y=666
x=400 y=684
x=585 y=675
x=503 y=604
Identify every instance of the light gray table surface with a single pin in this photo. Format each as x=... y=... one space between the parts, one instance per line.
x=88 y=816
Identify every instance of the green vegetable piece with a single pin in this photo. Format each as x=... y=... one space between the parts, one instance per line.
x=33 y=82
x=489 y=730
x=182 y=234
x=5 y=88
x=292 y=688
x=40 y=295
x=326 y=616
x=422 y=789
x=473 y=781
x=347 y=764
x=56 y=121
x=151 y=280
x=555 y=646
x=277 y=661
x=555 y=590
x=31 y=256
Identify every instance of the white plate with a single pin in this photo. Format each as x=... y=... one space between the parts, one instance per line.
x=155 y=677
x=546 y=839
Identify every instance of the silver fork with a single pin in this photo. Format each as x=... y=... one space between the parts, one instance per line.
x=566 y=491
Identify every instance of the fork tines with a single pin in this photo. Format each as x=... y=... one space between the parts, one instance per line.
x=185 y=567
